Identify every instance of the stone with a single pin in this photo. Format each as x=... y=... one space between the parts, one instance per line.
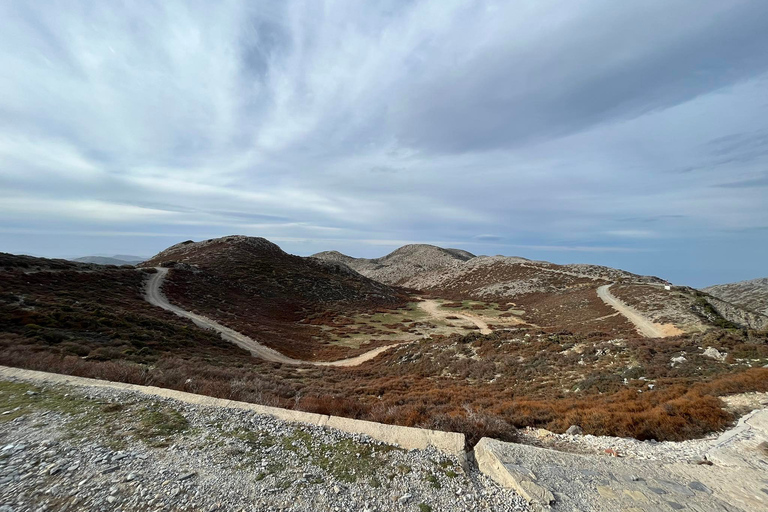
x=574 y=430
x=186 y=476
x=404 y=498
x=636 y=495
x=698 y=486
x=110 y=470
x=489 y=454
x=606 y=492
x=713 y=353
x=675 y=506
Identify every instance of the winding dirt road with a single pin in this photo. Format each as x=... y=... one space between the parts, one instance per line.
x=154 y=295
x=644 y=326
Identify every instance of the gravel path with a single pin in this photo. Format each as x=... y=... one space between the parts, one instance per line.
x=154 y=295
x=432 y=308
x=644 y=326
x=67 y=448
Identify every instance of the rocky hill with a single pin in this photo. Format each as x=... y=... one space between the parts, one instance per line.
x=751 y=294
x=403 y=265
x=251 y=285
x=430 y=268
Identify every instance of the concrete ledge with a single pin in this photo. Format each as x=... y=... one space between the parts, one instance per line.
x=410 y=438
x=502 y=469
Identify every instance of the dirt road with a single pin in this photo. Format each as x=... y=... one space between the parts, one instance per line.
x=154 y=295
x=644 y=326
x=432 y=308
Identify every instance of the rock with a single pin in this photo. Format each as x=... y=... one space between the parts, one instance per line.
x=404 y=499
x=186 y=476
x=574 y=430
x=500 y=467
x=713 y=353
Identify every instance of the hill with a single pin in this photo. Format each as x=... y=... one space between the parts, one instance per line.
x=403 y=265
x=251 y=285
x=751 y=294
x=111 y=260
x=589 y=367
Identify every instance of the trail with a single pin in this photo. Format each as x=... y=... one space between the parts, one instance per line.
x=644 y=326
x=432 y=308
x=154 y=295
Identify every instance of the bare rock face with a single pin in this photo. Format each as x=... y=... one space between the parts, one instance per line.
x=752 y=294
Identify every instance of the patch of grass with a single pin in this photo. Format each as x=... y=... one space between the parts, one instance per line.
x=157 y=424
x=18 y=399
x=346 y=460
x=433 y=480
x=423 y=507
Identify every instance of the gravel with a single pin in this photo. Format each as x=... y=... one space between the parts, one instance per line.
x=217 y=459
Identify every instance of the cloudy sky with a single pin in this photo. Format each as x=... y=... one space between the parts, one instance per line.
x=632 y=134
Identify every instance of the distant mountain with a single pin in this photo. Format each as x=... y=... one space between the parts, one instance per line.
x=118 y=260
x=751 y=294
x=401 y=266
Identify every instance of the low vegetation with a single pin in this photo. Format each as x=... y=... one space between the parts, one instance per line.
x=96 y=324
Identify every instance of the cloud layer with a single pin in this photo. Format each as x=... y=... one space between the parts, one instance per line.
x=631 y=135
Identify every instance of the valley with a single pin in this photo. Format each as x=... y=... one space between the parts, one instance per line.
x=424 y=337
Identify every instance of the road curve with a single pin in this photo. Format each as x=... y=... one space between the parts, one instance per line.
x=644 y=326
x=432 y=308
x=154 y=295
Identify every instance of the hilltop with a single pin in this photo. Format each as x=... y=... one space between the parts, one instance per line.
x=403 y=265
x=751 y=294
x=251 y=285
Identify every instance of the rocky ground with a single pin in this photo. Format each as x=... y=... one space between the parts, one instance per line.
x=752 y=294
x=64 y=448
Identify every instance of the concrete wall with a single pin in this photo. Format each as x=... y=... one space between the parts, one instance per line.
x=451 y=443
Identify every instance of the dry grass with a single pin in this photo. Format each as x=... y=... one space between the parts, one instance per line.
x=96 y=324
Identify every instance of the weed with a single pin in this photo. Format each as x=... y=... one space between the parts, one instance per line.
x=157 y=424
x=433 y=480
x=423 y=507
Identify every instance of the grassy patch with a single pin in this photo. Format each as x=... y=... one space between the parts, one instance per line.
x=346 y=460
x=157 y=424
x=18 y=399
x=433 y=480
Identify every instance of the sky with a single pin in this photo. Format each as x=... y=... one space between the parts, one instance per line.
x=631 y=134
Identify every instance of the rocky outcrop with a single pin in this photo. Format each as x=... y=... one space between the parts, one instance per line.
x=751 y=294
x=738 y=315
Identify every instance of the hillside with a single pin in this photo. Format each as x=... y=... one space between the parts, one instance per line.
x=403 y=265
x=751 y=294
x=596 y=372
x=547 y=295
x=18 y=262
x=251 y=285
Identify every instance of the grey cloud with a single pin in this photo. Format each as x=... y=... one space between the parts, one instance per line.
x=755 y=182
x=341 y=125
x=489 y=238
